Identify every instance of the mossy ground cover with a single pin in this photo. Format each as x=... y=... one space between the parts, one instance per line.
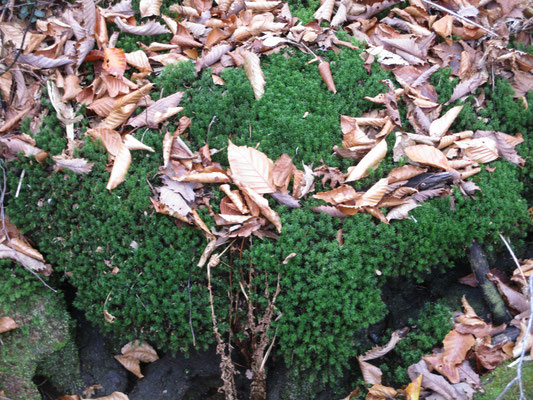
x=329 y=292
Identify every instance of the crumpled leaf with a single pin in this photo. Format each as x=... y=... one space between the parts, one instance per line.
x=254 y=73
x=429 y=155
x=431 y=381
x=456 y=346
x=339 y=195
x=513 y=298
x=135 y=352
x=30 y=262
x=282 y=172
x=161 y=110
x=325 y=73
x=441 y=125
x=114 y=61
x=286 y=199
x=268 y=212
x=303 y=182
x=402 y=211
x=7 y=324
x=251 y=167
x=76 y=165
x=371 y=159
x=372 y=374
x=149 y=29
x=150 y=7
x=120 y=167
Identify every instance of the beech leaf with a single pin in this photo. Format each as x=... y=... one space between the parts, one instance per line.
x=440 y=126
x=149 y=29
x=158 y=112
x=114 y=61
x=373 y=195
x=324 y=11
x=254 y=73
x=150 y=7
x=325 y=73
x=76 y=165
x=429 y=155
x=370 y=160
x=261 y=202
x=7 y=324
x=251 y=167
x=120 y=167
x=339 y=195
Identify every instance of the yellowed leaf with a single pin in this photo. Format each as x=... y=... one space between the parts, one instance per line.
x=441 y=125
x=251 y=167
x=373 y=195
x=120 y=167
x=7 y=324
x=150 y=7
x=254 y=73
x=429 y=155
x=412 y=390
x=370 y=160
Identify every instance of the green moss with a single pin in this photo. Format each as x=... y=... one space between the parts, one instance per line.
x=497 y=380
x=44 y=330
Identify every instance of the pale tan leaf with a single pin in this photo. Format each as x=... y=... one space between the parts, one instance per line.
x=325 y=73
x=251 y=167
x=5 y=85
x=427 y=155
x=118 y=116
x=114 y=396
x=217 y=80
x=213 y=56
x=371 y=373
x=120 y=167
x=148 y=29
x=150 y=7
x=184 y=10
x=131 y=364
x=324 y=11
x=214 y=37
x=174 y=203
x=160 y=110
x=103 y=107
x=170 y=58
x=134 y=144
x=141 y=351
x=228 y=219
x=207 y=175
x=340 y=15
x=139 y=60
x=440 y=126
x=72 y=87
x=373 y=195
x=447 y=140
x=402 y=212
x=20 y=245
x=111 y=139
x=108 y=317
x=7 y=324
x=339 y=195
x=404 y=173
x=356 y=137
x=262 y=203
x=30 y=262
x=482 y=150
x=254 y=73
x=370 y=160
x=76 y=165
x=261 y=5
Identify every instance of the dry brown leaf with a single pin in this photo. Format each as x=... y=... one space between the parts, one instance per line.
x=380 y=392
x=456 y=345
x=482 y=150
x=324 y=11
x=339 y=195
x=114 y=396
x=444 y=28
x=282 y=172
x=261 y=5
x=139 y=60
x=513 y=298
x=373 y=195
x=184 y=10
x=254 y=73
x=428 y=155
x=32 y=263
x=7 y=324
x=148 y=29
x=76 y=165
x=134 y=144
x=325 y=73
x=402 y=212
x=210 y=174
x=120 y=167
x=150 y=7
x=251 y=167
x=141 y=351
x=440 y=126
x=235 y=197
x=356 y=137
x=261 y=202
x=371 y=159
x=158 y=112
x=114 y=61
x=131 y=364
x=404 y=173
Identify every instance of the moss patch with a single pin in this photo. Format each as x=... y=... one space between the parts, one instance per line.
x=497 y=380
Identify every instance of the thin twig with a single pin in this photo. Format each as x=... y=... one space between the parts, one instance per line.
x=459 y=16
x=211 y=123
x=190 y=311
x=518 y=377
x=514 y=259
x=6 y=233
x=20 y=183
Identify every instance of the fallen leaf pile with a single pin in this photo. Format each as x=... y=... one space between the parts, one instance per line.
x=472 y=348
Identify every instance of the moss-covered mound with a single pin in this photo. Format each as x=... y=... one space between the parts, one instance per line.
x=329 y=291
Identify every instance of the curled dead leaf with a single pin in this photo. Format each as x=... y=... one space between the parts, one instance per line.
x=370 y=160
x=7 y=324
x=254 y=73
x=120 y=167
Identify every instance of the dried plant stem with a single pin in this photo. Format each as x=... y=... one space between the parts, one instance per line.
x=518 y=377
x=467 y=20
x=227 y=368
